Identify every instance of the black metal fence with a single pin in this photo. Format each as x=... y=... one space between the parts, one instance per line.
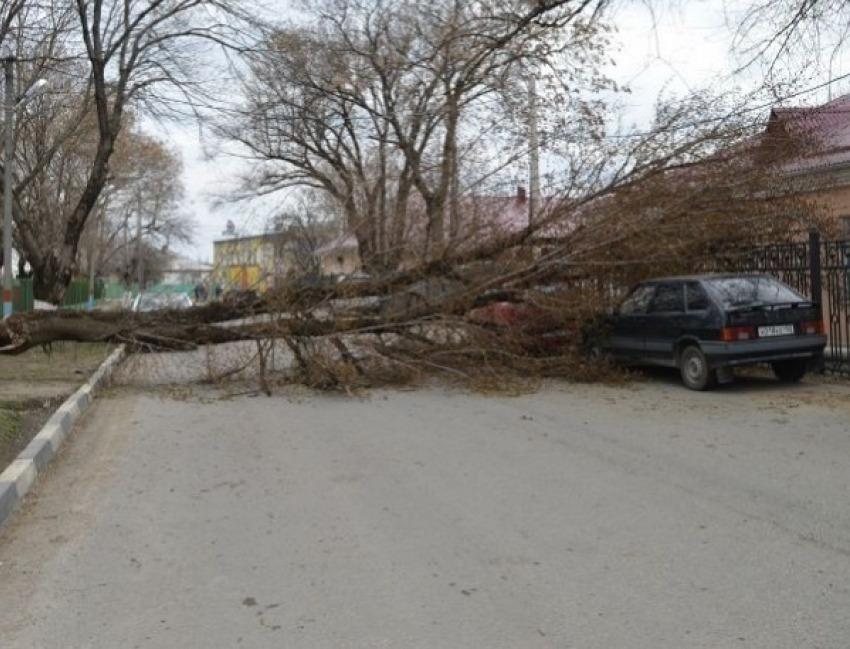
x=833 y=277
x=816 y=268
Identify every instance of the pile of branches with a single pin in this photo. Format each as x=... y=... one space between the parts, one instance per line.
x=441 y=318
x=442 y=314
x=341 y=337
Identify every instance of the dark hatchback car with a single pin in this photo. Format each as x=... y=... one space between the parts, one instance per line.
x=706 y=325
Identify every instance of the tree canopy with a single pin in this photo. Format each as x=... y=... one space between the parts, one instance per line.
x=105 y=60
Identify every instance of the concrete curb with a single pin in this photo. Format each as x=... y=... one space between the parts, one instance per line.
x=20 y=475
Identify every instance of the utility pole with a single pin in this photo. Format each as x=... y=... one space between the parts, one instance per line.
x=11 y=102
x=139 y=269
x=9 y=69
x=534 y=151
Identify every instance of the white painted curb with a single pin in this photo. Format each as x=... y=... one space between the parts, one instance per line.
x=21 y=474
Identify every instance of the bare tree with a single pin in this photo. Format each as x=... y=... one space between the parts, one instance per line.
x=379 y=115
x=301 y=228
x=151 y=57
x=301 y=123
x=792 y=35
x=138 y=216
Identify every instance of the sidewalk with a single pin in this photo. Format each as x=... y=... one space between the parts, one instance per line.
x=20 y=474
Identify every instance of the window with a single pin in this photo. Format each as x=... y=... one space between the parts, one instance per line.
x=695 y=297
x=669 y=298
x=638 y=302
x=753 y=290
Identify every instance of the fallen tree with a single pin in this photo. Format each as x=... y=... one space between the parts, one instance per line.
x=344 y=336
x=674 y=204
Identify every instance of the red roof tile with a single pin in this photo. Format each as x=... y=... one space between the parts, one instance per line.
x=827 y=126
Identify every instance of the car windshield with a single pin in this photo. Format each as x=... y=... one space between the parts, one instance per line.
x=753 y=291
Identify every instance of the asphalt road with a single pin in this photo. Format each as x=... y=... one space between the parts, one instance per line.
x=644 y=516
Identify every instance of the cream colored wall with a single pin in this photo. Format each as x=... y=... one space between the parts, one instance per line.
x=837 y=200
x=339 y=262
x=834 y=201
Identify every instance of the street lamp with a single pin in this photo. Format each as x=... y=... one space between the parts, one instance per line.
x=11 y=102
x=140 y=278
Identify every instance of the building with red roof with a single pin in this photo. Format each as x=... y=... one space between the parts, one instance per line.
x=821 y=160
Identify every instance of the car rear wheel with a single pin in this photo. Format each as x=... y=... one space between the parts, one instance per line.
x=790 y=371
x=694 y=369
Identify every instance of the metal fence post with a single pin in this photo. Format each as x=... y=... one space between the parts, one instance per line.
x=819 y=365
x=815 y=266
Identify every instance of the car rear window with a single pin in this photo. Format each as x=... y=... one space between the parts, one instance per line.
x=746 y=291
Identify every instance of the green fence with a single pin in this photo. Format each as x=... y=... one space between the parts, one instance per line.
x=76 y=295
x=111 y=291
x=22 y=299
x=188 y=289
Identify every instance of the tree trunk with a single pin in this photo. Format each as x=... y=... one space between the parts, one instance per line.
x=51 y=278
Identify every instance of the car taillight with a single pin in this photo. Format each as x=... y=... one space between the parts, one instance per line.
x=811 y=327
x=733 y=334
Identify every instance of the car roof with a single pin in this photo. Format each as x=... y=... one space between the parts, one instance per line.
x=698 y=278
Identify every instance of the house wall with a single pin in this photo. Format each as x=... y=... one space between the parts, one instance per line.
x=832 y=196
x=836 y=202
x=243 y=276
x=834 y=300
x=246 y=262
x=342 y=261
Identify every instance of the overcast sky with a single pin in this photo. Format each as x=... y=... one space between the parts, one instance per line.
x=685 y=48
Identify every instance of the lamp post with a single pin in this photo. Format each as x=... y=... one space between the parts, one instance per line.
x=10 y=104
x=8 y=68
x=140 y=278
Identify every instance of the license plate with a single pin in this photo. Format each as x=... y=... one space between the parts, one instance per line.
x=776 y=330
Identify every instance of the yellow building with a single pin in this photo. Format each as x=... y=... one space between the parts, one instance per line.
x=250 y=262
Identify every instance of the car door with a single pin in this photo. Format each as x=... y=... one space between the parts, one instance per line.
x=664 y=322
x=629 y=324
x=702 y=320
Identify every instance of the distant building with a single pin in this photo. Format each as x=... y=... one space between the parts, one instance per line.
x=251 y=262
x=480 y=218
x=182 y=270
x=822 y=167
x=340 y=256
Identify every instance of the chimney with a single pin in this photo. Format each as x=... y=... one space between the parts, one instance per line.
x=521 y=195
